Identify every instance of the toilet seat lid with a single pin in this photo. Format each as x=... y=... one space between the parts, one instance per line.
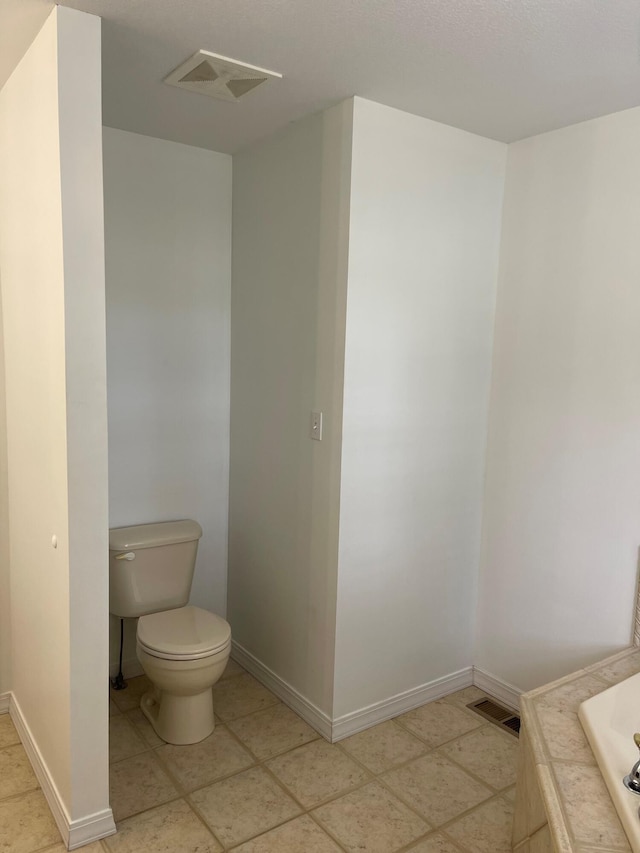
x=183 y=633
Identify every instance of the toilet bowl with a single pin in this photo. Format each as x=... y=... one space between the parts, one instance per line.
x=183 y=652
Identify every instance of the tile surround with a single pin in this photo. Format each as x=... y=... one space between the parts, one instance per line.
x=558 y=780
x=265 y=782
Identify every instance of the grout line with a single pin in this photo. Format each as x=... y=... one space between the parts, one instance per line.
x=473 y=775
x=22 y=793
x=178 y=796
x=203 y=821
x=371 y=776
x=327 y=831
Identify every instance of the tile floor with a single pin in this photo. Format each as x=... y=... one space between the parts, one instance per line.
x=438 y=779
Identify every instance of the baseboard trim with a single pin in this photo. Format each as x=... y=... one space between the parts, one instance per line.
x=309 y=712
x=74 y=833
x=131 y=668
x=357 y=721
x=496 y=687
x=5 y=701
x=91 y=828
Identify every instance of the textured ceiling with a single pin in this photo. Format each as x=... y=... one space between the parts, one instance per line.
x=506 y=69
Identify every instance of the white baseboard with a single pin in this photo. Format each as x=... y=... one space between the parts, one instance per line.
x=357 y=721
x=75 y=833
x=90 y=828
x=309 y=712
x=131 y=668
x=496 y=687
x=5 y=700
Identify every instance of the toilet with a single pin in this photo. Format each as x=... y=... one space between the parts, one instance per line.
x=182 y=649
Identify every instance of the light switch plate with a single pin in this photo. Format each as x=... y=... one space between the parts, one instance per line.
x=315 y=428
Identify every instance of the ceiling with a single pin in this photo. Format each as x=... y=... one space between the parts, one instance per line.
x=505 y=69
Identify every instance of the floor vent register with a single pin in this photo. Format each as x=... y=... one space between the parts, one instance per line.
x=497 y=715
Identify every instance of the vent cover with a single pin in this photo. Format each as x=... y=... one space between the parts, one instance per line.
x=496 y=714
x=218 y=76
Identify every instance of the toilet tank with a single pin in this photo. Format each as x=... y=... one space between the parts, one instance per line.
x=151 y=566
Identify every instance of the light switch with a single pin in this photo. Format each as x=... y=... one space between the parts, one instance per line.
x=315 y=430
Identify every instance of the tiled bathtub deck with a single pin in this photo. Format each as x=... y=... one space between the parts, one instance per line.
x=438 y=779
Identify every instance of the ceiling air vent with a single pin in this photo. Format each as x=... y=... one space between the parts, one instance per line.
x=218 y=76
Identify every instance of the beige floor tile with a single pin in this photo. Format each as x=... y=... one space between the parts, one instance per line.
x=243 y=806
x=16 y=775
x=94 y=847
x=129 y=698
x=241 y=695
x=26 y=824
x=488 y=753
x=8 y=734
x=384 y=746
x=436 y=788
x=371 y=820
x=301 y=835
x=232 y=668
x=113 y=708
x=198 y=764
x=165 y=829
x=439 y=722
x=510 y=794
x=486 y=829
x=272 y=731
x=137 y=784
x=316 y=772
x=463 y=697
x=144 y=728
x=123 y=739
x=436 y=843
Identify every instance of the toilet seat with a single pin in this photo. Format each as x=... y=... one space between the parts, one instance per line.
x=187 y=633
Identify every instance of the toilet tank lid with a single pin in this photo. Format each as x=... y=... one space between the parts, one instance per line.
x=153 y=535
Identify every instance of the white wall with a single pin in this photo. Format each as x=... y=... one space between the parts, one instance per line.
x=423 y=260
x=290 y=231
x=52 y=269
x=168 y=262
x=5 y=580
x=562 y=500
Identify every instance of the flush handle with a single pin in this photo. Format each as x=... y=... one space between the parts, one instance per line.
x=128 y=556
